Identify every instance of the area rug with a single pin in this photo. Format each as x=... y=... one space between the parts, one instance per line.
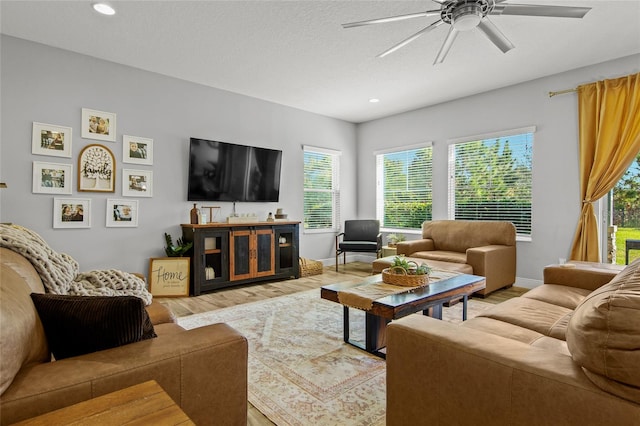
x=300 y=370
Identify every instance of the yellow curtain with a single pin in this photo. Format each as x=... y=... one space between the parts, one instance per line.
x=609 y=120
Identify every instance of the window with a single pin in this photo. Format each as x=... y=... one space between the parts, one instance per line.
x=404 y=185
x=490 y=178
x=321 y=189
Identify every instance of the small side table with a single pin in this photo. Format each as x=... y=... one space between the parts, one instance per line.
x=145 y=403
x=628 y=245
x=388 y=251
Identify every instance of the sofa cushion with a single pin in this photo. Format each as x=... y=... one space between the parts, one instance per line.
x=442 y=256
x=532 y=314
x=504 y=329
x=76 y=325
x=560 y=295
x=604 y=334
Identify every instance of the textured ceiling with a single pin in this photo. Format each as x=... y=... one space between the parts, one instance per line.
x=296 y=53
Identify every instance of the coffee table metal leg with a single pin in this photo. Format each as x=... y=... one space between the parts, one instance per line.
x=375 y=333
x=345 y=324
x=465 y=299
x=434 y=311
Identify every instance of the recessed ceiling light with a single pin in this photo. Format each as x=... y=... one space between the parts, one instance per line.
x=374 y=100
x=103 y=8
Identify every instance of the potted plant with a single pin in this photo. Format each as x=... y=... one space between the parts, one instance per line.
x=178 y=250
x=402 y=266
x=395 y=238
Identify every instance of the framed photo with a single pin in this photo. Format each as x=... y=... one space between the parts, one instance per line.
x=51 y=178
x=169 y=276
x=122 y=213
x=96 y=169
x=137 y=183
x=137 y=150
x=99 y=125
x=49 y=139
x=71 y=213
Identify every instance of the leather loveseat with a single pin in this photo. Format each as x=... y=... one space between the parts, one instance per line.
x=488 y=247
x=204 y=370
x=565 y=353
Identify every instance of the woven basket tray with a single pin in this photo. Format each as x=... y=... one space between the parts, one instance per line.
x=403 y=279
x=310 y=267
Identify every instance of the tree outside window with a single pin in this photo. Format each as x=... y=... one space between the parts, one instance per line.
x=404 y=188
x=490 y=179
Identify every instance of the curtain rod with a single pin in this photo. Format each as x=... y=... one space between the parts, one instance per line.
x=562 y=92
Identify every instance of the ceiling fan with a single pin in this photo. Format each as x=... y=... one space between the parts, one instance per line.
x=465 y=15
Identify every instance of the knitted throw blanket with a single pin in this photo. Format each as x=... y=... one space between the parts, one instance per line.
x=59 y=272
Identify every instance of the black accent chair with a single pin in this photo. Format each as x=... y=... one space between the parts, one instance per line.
x=361 y=236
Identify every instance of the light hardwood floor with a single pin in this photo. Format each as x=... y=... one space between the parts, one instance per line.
x=184 y=306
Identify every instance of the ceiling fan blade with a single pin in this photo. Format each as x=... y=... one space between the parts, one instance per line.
x=410 y=39
x=493 y=33
x=392 y=19
x=539 y=10
x=453 y=33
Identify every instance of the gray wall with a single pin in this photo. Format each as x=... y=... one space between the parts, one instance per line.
x=48 y=85
x=44 y=84
x=556 y=189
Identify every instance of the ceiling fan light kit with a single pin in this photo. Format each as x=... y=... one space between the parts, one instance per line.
x=465 y=15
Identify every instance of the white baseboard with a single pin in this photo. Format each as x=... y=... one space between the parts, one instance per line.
x=527 y=283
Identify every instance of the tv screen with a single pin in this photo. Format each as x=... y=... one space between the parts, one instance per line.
x=222 y=171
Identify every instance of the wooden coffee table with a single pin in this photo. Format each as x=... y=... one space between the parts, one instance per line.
x=428 y=299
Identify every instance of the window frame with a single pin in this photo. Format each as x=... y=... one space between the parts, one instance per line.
x=503 y=134
x=380 y=184
x=335 y=190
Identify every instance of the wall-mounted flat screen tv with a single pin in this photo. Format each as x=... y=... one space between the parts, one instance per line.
x=222 y=171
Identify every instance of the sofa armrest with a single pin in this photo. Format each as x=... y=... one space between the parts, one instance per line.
x=497 y=263
x=204 y=370
x=588 y=276
x=443 y=373
x=160 y=314
x=409 y=247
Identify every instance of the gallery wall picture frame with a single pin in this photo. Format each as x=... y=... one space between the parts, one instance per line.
x=52 y=178
x=137 y=150
x=72 y=213
x=51 y=140
x=99 y=125
x=96 y=169
x=169 y=276
x=122 y=213
x=137 y=183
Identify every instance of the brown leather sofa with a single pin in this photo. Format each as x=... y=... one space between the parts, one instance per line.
x=564 y=353
x=489 y=247
x=204 y=370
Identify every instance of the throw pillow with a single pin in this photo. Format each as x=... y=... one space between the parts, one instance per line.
x=77 y=325
x=603 y=334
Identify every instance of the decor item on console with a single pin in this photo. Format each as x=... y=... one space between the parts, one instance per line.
x=194 y=214
x=565 y=352
x=489 y=247
x=280 y=214
x=60 y=272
